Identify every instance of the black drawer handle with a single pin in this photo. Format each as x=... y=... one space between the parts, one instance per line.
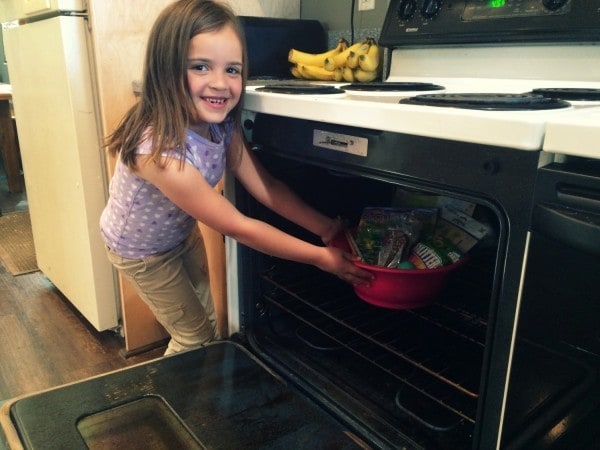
x=578 y=196
x=574 y=228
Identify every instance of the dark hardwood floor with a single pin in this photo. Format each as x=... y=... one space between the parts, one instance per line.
x=44 y=341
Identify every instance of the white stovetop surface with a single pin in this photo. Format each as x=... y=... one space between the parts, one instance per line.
x=522 y=130
x=512 y=69
x=575 y=134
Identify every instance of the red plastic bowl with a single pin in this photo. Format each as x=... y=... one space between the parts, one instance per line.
x=401 y=288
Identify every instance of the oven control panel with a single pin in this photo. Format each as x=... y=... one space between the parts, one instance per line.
x=503 y=9
x=439 y=22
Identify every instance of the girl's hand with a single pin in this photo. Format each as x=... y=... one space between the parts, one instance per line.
x=340 y=263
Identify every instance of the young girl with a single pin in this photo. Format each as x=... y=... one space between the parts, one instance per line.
x=173 y=147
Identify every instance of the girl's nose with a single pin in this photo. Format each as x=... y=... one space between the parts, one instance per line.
x=218 y=80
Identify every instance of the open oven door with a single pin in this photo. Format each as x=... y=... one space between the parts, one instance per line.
x=218 y=396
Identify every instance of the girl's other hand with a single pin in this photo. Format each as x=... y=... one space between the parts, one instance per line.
x=341 y=264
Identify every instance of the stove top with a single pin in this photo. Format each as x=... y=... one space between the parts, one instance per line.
x=508 y=124
x=527 y=54
x=522 y=130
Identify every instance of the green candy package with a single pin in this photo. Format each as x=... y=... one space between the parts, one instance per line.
x=385 y=236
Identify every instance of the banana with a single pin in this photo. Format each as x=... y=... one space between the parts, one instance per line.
x=352 y=60
x=329 y=64
x=359 y=62
x=348 y=74
x=316 y=73
x=316 y=59
x=364 y=48
x=364 y=76
x=296 y=72
x=370 y=60
x=337 y=74
x=339 y=60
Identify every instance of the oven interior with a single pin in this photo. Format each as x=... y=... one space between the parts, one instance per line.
x=389 y=370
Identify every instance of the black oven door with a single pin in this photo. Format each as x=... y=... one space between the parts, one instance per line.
x=554 y=391
x=218 y=397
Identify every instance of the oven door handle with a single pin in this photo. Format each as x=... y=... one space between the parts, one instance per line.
x=575 y=228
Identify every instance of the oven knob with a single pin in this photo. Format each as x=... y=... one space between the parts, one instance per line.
x=431 y=8
x=406 y=9
x=553 y=5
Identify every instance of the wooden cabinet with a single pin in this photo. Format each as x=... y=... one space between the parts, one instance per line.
x=119 y=33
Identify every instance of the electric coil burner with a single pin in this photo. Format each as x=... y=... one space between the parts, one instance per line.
x=569 y=94
x=392 y=87
x=301 y=89
x=489 y=101
x=389 y=91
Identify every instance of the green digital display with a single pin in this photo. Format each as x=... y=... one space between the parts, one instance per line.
x=497 y=3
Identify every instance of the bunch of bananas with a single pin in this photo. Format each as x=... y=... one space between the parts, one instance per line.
x=359 y=62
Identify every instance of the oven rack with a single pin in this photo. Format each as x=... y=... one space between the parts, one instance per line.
x=436 y=351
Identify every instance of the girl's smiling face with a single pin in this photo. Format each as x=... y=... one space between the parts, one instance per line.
x=214 y=75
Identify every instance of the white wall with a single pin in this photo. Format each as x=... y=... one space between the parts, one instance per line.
x=270 y=8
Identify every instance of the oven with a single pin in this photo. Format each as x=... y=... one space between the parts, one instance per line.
x=432 y=376
x=507 y=354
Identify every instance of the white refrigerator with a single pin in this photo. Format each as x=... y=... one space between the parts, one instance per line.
x=48 y=52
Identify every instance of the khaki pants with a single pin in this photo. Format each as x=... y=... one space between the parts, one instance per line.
x=176 y=287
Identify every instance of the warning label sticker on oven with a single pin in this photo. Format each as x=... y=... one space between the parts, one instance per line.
x=341 y=142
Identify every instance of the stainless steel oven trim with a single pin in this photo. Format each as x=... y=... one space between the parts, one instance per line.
x=513 y=340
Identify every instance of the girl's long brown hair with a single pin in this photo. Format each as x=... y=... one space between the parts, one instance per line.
x=166 y=109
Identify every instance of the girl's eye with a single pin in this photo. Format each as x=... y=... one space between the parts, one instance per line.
x=200 y=67
x=234 y=70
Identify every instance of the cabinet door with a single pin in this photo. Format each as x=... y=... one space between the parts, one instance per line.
x=17 y=9
x=119 y=32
